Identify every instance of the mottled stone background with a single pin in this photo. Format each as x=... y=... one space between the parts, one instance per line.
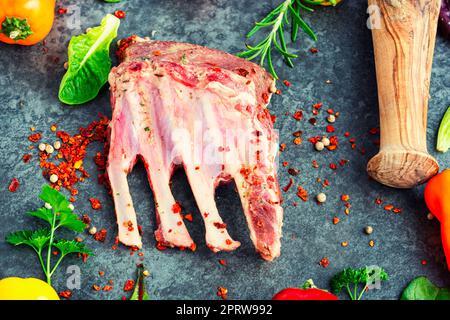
x=29 y=80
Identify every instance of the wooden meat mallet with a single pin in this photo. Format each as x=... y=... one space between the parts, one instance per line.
x=403 y=40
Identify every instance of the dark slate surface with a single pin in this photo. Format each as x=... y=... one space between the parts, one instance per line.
x=29 y=82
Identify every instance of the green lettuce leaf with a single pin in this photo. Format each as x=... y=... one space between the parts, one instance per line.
x=423 y=289
x=89 y=62
x=443 y=141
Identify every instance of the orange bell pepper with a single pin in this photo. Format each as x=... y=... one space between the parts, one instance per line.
x=25 y=22
x=437 y=198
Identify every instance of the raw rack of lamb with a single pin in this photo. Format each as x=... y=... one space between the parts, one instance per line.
x=178 y=104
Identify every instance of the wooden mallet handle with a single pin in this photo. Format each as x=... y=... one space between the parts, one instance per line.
x=403 y=39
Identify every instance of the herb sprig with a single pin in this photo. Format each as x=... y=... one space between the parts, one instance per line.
x=352 y=279
x=139 y=292
x=57 y=213
x=278 y=19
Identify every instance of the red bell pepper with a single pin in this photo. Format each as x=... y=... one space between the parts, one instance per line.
x=308 y=292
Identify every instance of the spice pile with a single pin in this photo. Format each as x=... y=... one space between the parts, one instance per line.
x=62 y=160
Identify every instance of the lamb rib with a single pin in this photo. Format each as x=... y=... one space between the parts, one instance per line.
x=178 y=104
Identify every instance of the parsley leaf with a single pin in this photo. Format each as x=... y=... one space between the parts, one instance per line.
x=70 y=221
x=66 y=247
x=64 y=215
x=42 y=213
x=37 y=239
x=57 y=214
x=54 y=198
x=351 y=278
x=19 y=237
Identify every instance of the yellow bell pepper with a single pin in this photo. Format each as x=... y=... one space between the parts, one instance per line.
x=26 y=289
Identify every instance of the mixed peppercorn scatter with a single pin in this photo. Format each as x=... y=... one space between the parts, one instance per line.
x=319 y=125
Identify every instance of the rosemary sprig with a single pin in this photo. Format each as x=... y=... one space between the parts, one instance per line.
x=277 y=19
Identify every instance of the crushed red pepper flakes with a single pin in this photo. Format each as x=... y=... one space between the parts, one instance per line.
x=100 y=235
x=13 y=185
x=297 y=133
x=336 y=220
x=26 y=158
x=374 y=131
x=424 y=262
x=220 y=225
x=282 y=147
x=223 y=262
x=315 y=139
x=95 y=203
x=107 y=288
x=286 y=83
x=302 y=193
x=293 y=172
x=289 y=185
x=324 y=262
x=345 y=197
x=129 y=285
x=83 y=256
x=388 y=207
x=67 y=294
x=188 y=217
x=298 y=115
x=298 y=141
x=86 y=219
x=68 y=164
x=34 y=137
x=313 y=121
x=120 y=14
x=222 y=292
x=160 y=246
x=62 y=10
x=330 y=128
x=378 y=201
x=96 y=287
x=176 y=208
x=314 y=50
x=397 y=210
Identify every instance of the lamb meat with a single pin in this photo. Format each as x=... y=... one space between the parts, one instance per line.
x=178 y=104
